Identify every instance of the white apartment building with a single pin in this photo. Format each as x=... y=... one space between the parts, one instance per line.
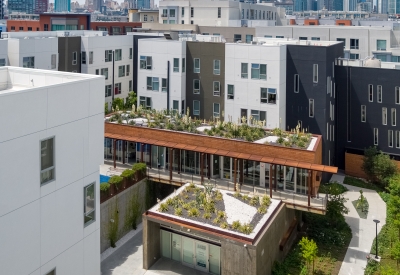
x=255 y=77
x=3 y=52
x=218 y=13
x=158 y=85
x=97 y=57
x=52 y=129
x=359 y=41
x=33 y=52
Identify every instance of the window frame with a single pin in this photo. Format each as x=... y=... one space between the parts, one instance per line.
x=370 y=93
x=74 y=58
x=53 y=167
x=108 y=56
x=390 y=138
x=393 y=116
x=219 y=110
x=121 y=71
x=104 y=70
x=194 y=90
x=397 y=139
x=119 y=86
x=379 y=93
x=363 y=113
x=30 y=62
x=83 y=57
x=145 y=62
x=106 y=88
x=296 y=83
x=244 y=75
x=146 y=100
x=91 y=57
x=87 y=213
x=377 y=44
x=196 y=70
x=384 y=116
x=164 y=88
x=311 y=103
x=228 y=95
x=184 y=65
x=130 y=53
x=219 y=12
x=173 y=107
x=216 y=92
x=356 y=44
x=315 y=73
x=152 y=78
x=397 y=95
x=196 y=112
x=175 y=68
x=216 y=68
x=53 y=61
x=118 y=55
x=376 y=136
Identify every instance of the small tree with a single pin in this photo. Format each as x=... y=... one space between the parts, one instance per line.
x=309 y=250
x=395 y=252
x=130 y=100
x=384 y=168
x=368 y=162
x=335 y=208
x=362 y=201
x=118 y=102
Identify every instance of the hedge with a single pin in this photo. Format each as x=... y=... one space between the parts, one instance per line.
x=104 y=186
x=116 y=180
x=128 y=173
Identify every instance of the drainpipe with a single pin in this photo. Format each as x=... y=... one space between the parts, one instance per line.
x=113 y=88
x=167 y=85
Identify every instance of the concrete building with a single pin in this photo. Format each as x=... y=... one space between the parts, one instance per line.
x=27 y=6
x=50 y=213
x=2 y=8
x=62 y=5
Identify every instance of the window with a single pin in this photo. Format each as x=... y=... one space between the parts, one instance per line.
x=176 y=65
x=47 y=170
x=258 y=116
x=353 y=44
x=118 y=55
x=21 y=28
x=217 y=67
x=163 y=84
x=197 y=65
x=175 y=106
x=2 y=62
x=311 y=107
x=83 y=58
x=216 y=110
x=128 y=70
x=237 y=37
x=118 y=88
x=296 y=83
x=393 y=111
x=268 y=95
x=397 y=95
x=28 y=62
x=13 y=28
x=183 y=22
x=183 y=65
x=363 y=113
x=145 y=18
x=303 y=38
x=370 y=93
x=108 y=56
x=130 y=85
x=280 y=36
x=249 y=38
x=130 y=53
x=379 y=94
x=164 y=13
x=145 y=62
x=183 y=11
x=231 y=92
x=196 y=86
x=90 y=57
x=75 y=58
x=216 y=88
x=153 y=84
x=145 y=102
x=53 y=272
x=263 y=15
x=219 y=12
x=191 y=22
x=354 y=56
x=128 y=29
x=108 y=90
x=397 y=139
x=89 y=204
x=384 y=116
x=376 y=136
x=258 y=71
x=390 y=137
x=196 y=107
x=53 y=61
x=244 y=69
x=315 y=38
x=171 y=22
x=116 y=30
x=315 y=73
x=217 y=34
x=268 y=36
x=104 y=72
x=381 y=45
x=46 y=27
x=121 y=71
x=191 y=12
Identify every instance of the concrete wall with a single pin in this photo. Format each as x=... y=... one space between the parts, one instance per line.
x=4 y=50
x=228 y=32
x=121 y=202
x=151 y=247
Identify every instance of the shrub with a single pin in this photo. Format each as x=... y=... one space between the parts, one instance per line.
x=193 y=212
x=116 y=180
x=207 y=215
x=104 y=186
x=246 y=229
x=262 y=209
x=333 y=187
x=139 y=167
x=186 y=206
x=209 y=207
x=246 y=197
x=236 y=225
x=221 y=214
x=224 y=225
x=254 y=201
x=218 y=196
x=128 y=173
x=163 y=207
x=237 y=195
x=217 y=220
x=280 y=140
x=266 y=200
x=178 y=211
x=170 y=201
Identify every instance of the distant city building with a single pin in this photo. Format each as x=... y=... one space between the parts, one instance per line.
x=62 y=5
x=382 y=6
x=26 y=6
x=393 y=6
x=41 y=6
x=143 y=4
x=2 y=7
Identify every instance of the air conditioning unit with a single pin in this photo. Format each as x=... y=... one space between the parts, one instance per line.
x=66 y=34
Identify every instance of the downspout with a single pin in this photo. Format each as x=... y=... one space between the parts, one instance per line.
x=113 y=87
x=168 y=85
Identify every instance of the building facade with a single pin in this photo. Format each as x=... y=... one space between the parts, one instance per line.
x=21 y=6
x=3 y=53
x=62 y=5
x=58 y=196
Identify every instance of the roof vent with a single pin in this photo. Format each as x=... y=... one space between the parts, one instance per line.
x=167 y=36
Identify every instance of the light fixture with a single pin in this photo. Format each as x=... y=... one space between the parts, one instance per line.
x=245 y=245
x=188 y=230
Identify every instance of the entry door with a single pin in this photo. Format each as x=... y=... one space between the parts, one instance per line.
x=188 y=251
x=201 y=258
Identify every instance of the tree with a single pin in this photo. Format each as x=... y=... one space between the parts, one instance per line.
x=362 y=202
x=393 y=204
x=335 y=208
x=384 y=168
x=368 y=162
x=309 y=250
x=131 y=100
x=395 y=252
x=118 y=102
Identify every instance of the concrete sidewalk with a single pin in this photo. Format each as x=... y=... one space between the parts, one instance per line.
x=363 y=230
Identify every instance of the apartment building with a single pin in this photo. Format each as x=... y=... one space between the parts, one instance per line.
x=3 y=53
x=49 y=214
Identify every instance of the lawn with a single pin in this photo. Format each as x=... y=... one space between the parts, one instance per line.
x=367 y=185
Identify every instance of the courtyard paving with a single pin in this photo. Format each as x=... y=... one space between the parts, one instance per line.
x=363 y=230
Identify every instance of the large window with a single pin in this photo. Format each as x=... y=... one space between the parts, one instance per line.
x=216 y=110
x=196 y=107
x=363 y=113
x=379 y=94
x=196 y=86
x=244 y=70
x=216 y=88
x=89 y=204
x=145 y=62
x=191 y=12
x=145 y=102
x=108 y=56
x=376 y=136
x=237 y=37
x=231 y=92
x=370 y=93
x=108 y=90
x=258 y=116
x=354 y=44
x=176 y=65
x=258 y=71
x=128 y=70
x=354 y=56
x=268 y=95
x=196 y=65
x=390 y=138
x=315 y=73
x=219 y=12
x=311 y=107
x=118 y=88
x=121 y=71
x=83 y=58
x=28 y=62
x=217 y=67
x=163 y=84
x=296 y=83
x=381 y=45
x=384 y=116
x=104 y=72
x=393 y=112
x=47 y=160
x=175 y=106
x=2 y=62
x=153 y=84
x=53 y=61
x=118 y=55
x=249 y=38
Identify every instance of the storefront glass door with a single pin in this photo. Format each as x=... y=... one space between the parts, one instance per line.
x=187 y=251
x=215 y=259
x=201 y=256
